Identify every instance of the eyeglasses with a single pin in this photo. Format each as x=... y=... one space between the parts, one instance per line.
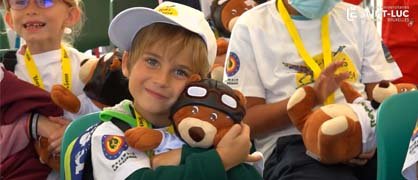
x=200 y=92
x=22 y=4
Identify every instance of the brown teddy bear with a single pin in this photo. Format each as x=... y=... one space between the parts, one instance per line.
x=337 y=133
x=105 y=84
x=201 y=120
x=201 y=116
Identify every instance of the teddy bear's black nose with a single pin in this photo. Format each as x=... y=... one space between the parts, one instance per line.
x=196 y=133
x=384 y=84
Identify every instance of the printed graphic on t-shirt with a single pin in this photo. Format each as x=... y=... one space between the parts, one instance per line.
x=304 y=74
x=233 y=64
x=113 y=146
x=232 y=68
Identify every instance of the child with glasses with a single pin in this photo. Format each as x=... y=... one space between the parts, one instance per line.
x=164 y=48
x=46 y=58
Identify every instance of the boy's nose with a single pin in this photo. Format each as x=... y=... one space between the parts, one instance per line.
x=162 y=79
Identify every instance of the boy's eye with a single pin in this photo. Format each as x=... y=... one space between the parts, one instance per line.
x=152 y=62
x=181 y=73
x=20 y=2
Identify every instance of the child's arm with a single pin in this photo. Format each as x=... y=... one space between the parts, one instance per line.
x=212 y=164
x=45 y=127
x=204 y=166
x=14 y=136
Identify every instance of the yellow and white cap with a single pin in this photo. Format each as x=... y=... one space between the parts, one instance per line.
x=125 y=25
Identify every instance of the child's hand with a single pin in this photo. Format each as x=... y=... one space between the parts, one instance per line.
x=363 y=158
x=170 y=158
x=328 y=81
x=254 y=157
x=234 y=146
x=56 y=136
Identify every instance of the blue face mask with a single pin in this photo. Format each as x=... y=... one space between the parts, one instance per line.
x=313 y=9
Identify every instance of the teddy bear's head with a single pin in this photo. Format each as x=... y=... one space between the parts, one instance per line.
x=205 y=111
x=104 y=80
x=226 y=12
x=385 y=89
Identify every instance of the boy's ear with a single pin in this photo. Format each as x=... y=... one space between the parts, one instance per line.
x=74 y=15
x=9 y=19
x=125 y=70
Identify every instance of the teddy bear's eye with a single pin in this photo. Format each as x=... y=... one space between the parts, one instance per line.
x=403 y=90
x=195 y=110
x=213 y=116
x=234 y=11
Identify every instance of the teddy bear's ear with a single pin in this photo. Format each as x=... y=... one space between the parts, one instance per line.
x=241 y=97
x=116 y=63
x=194 y=78
x=87 y=67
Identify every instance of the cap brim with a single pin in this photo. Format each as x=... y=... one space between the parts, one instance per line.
x=125 y=25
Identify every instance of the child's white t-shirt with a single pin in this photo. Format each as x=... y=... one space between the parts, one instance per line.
x=49 y=67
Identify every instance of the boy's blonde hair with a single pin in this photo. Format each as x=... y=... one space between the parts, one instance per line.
x=174 y=37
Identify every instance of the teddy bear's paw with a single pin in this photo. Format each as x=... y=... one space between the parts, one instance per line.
x=65 y=99
x=143 y=139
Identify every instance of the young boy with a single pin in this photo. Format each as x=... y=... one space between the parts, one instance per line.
x=164 y=47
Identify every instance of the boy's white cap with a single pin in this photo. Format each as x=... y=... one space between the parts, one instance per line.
x=125 y=25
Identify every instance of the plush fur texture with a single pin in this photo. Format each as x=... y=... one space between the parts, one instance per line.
x=332 y=133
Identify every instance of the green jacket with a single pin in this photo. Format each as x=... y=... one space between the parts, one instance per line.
x=198 y=164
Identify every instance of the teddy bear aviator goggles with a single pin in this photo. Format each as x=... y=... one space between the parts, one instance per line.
x=227 y=100
x=22 y=4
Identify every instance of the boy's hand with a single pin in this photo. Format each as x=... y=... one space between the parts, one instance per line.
x=234 y=146
x=170 y=158
x=254 y=157
x=56 y=136
x=328 y=81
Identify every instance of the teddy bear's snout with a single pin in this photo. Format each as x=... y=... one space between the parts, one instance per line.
x=196 y=133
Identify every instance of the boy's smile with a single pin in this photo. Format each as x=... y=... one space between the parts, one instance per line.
x=156 y=94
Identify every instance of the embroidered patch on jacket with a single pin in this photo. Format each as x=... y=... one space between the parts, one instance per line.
x=233 y=64
x=113 y=146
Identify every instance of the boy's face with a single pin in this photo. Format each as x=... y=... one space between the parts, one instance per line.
x=36 y=24
x=158 y=77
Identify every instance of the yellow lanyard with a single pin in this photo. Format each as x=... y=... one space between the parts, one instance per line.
x=36 y=77
x=303 y=53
